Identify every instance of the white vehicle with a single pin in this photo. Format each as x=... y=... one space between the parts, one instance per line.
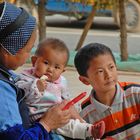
x=132 y=11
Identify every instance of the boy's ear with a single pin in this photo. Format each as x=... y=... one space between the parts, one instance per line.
x=84 y=80
x=33 y=60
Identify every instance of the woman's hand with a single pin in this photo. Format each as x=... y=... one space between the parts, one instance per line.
x=75 y=114
x=55 y=117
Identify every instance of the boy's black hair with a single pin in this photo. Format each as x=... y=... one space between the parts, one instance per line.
x=55 y=44
x=87 y=53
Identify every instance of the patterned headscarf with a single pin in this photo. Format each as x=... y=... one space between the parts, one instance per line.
x=15 y=36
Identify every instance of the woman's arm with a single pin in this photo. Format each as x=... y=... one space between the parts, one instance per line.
x=36 y=132
x=52 y=119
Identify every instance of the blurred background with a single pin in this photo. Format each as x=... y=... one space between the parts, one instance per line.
x=115 y=23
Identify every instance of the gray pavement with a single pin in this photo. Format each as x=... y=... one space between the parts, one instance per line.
x=76 y=87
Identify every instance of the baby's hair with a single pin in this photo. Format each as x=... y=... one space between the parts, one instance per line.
x=88 y=53
x=55 y=44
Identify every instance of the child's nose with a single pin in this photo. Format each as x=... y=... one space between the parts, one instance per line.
x=50 y=68
x=108 y=74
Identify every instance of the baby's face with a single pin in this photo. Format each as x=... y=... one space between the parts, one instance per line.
x=51 y=63
x=102 y=73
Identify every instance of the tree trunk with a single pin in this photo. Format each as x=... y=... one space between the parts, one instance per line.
x=41 y=18
x=123 y=32
x=86 y=28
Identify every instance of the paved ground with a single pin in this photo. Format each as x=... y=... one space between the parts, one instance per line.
x=76 y=87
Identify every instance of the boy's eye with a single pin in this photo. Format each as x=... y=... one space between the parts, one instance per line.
x=99 y=71
x=112 y=67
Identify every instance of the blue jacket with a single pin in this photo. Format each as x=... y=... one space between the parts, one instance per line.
x=12 y=121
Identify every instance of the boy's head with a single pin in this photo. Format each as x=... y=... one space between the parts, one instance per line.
x=50 y=58
x=17 y=29
x=88 y=53
x=96 y=66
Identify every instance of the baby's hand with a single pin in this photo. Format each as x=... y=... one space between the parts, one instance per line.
x=44 y=77
x=41 y=85
x=98 y=130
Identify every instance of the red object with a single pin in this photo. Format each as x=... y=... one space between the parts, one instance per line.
x=75 y=100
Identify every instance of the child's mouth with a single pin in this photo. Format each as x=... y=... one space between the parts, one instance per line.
x=109 y=83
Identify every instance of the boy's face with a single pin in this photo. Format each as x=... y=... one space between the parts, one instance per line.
x=51 y=63
x=102 y=74
x=14 y=61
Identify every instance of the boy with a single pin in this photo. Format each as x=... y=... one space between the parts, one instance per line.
x=118 y=106
x=50 y=59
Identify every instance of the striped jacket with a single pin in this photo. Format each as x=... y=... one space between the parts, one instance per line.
x=122 y=118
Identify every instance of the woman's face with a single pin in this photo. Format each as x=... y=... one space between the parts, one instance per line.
x=14 y=61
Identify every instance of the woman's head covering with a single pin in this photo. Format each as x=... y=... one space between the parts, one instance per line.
x=16 y=27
